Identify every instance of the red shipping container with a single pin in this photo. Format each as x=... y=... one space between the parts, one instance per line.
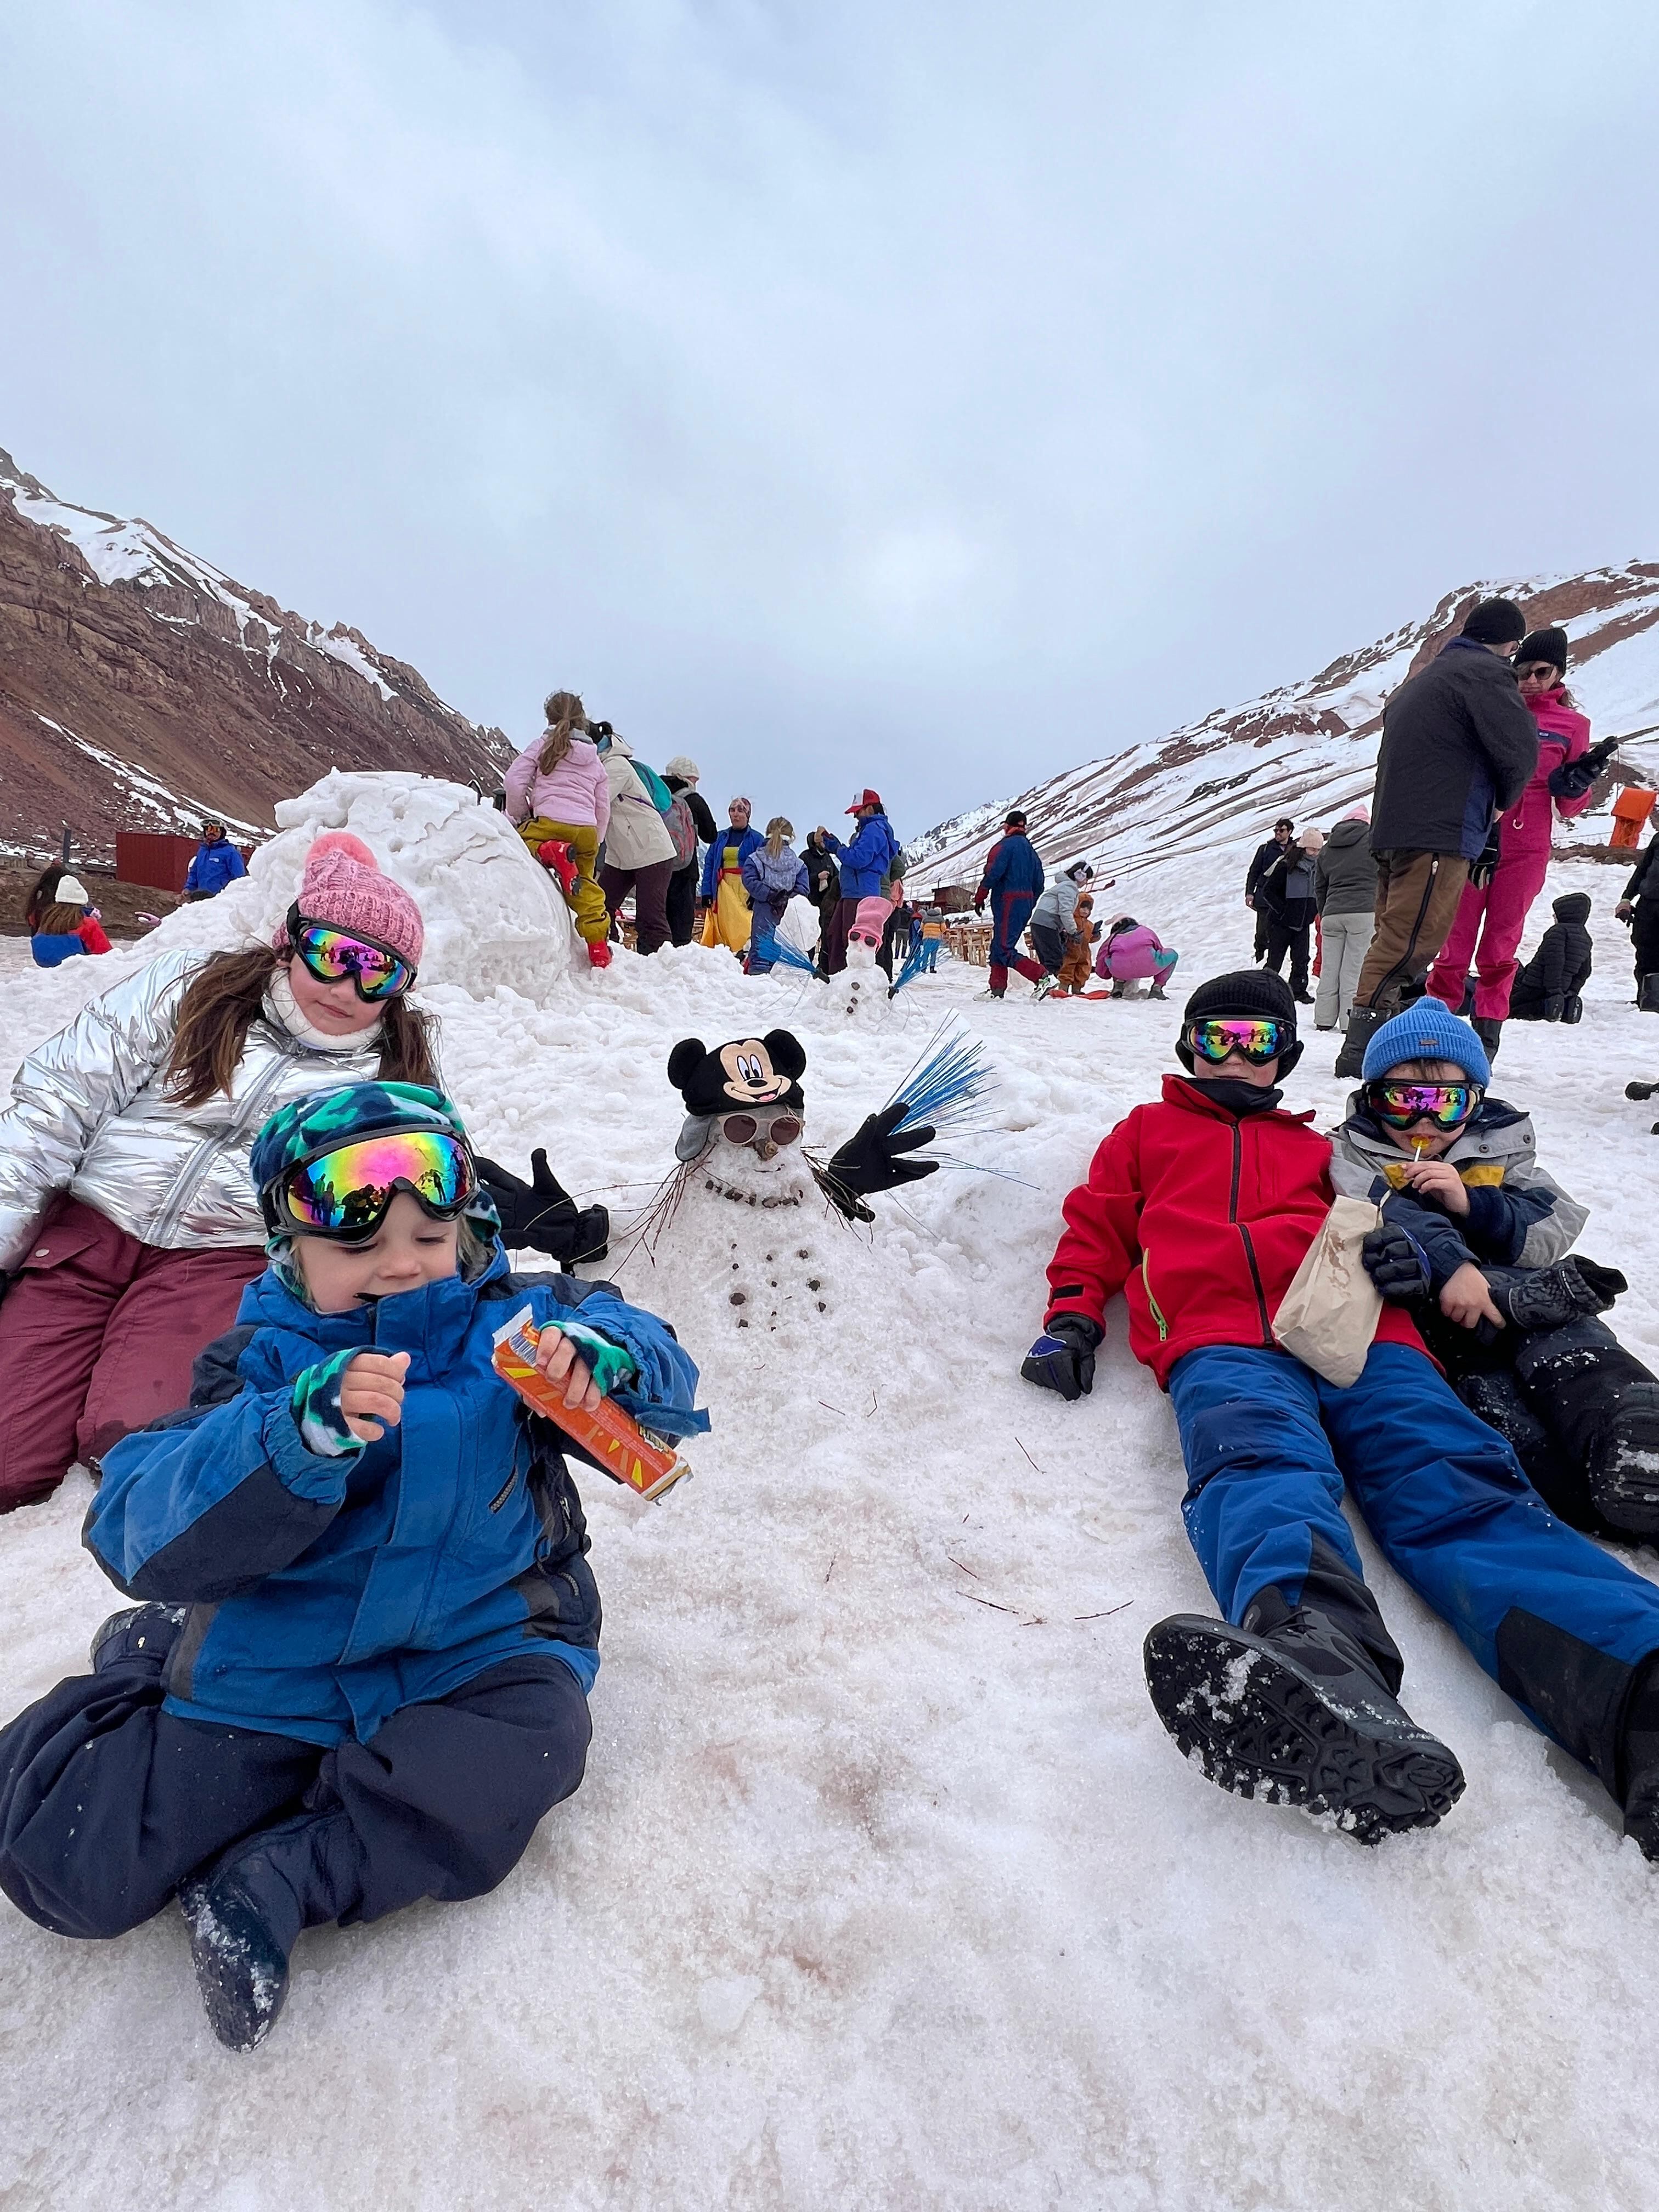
x=158 y=860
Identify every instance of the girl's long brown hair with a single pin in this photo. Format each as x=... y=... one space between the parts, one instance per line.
x=62 y=921
x=219 y=1008
x=565 y=716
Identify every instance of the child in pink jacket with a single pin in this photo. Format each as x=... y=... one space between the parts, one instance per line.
x=558 y=798
x=1134 y=954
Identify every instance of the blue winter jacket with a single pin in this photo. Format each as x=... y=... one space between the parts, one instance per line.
x=867 y=858
x=51 y=952
x=213 y=867
x=326 y=1593
x=714 y=858
x=1011 y=869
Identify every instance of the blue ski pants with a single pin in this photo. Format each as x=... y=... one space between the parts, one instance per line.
x=1561 y=1625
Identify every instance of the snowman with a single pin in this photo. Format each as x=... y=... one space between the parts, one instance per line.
x=750 y=1230
x=862 y=991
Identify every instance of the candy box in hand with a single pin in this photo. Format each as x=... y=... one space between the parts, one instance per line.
x=627 y=1453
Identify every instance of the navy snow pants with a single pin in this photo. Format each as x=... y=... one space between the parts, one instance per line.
x=1559 y=1625
x=107 y=1802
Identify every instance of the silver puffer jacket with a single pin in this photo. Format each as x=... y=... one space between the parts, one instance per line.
x=87 y=1116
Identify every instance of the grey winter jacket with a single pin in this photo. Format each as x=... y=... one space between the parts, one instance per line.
x=1056 y=909
x=87 y=1116
x=1345 y=874
x=1518 y=1216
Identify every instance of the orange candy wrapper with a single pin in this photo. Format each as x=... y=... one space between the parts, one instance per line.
x=628 y=1454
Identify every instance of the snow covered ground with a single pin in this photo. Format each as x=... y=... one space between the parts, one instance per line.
x=885 y=1887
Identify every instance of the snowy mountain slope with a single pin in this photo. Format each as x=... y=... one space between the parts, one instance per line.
x=885 y=1892
x=140 y=687
x=1207 y=794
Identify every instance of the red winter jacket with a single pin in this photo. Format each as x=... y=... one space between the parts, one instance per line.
x=1200 y=1220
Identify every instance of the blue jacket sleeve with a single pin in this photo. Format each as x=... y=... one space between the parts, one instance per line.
x=996 y=868
x=663 y=1393
x=235 y=864
x=193 y=873
x=197 y=1510
x=1437 y=1233
x=711 y=869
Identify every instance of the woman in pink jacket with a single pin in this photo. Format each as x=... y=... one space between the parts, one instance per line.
x=1132 y=953
x=558 y=797
x=1496 y=912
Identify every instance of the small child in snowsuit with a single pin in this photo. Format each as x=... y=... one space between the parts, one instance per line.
x=1548 y=988
x=1200 y=1209
x=1076 y=970
x=357 y=1671
x=1478 y=1237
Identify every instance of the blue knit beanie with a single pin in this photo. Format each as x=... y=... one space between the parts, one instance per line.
x=1427 y=1031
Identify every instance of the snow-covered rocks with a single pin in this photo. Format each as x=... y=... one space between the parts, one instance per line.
x=492 y=916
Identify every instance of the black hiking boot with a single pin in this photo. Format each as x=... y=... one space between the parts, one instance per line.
x=1296 y=1718
x=138 y=1631
x=1364 y=1023
x=1490 y=1031
x=247 y=1912
x=1640 y=1090
x=1622 y=1467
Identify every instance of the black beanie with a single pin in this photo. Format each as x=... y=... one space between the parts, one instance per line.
x=1255 y=993
x=1549 y=645
x=1013 y=819
x=1495 y=622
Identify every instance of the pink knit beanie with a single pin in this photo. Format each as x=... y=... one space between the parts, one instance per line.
x=342 y=884
x=872 y=917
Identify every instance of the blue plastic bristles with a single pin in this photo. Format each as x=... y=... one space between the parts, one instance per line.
x=912 y=968
x=948 y=1082
x=784 y=955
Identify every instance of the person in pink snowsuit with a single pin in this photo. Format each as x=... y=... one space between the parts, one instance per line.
x=1496 y=912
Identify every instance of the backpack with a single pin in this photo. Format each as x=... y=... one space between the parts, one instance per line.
x=676 y=818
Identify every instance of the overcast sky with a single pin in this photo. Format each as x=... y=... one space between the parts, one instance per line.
x=928 y=395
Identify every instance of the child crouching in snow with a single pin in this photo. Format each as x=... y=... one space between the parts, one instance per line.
x=359 y=1674
x=1476 y=1238
x=1200 y=1209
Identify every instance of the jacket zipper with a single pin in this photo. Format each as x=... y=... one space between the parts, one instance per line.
x=1250 y=1249
x=1157 y=1310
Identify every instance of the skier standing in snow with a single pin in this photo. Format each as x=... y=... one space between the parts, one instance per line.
x=357 y=1674
x=1261 y=861
x=215 y=863
x=681 y=776
x=558 y=798
x=870 y=860
x=1013 y=882
x=1458 y=746
x=1345 y=888
x=1496 y=912
x=1200 y=1209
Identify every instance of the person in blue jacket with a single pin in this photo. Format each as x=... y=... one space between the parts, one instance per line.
x=216 y=862
x=357 y=1671
x=1013 y=882
x=870 y=859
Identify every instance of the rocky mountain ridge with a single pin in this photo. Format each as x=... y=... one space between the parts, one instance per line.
x=140 y=687
x=1308 y=750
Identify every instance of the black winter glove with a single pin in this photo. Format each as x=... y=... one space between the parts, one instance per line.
x=541 y=1216
x=979 y=906
x=1484 y=868
x=1574 y=778
x=872 y=1159
x=1553 y=1005
x=1396 y=1263
x=1063 y=1356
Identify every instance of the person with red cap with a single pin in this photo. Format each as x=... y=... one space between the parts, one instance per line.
x=128 y=1226
x=871 y=858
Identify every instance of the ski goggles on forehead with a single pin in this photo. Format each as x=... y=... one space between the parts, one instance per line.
x=331 y=955
x=1258 y=1042
x=345 y=1193
x=1448 y=1105
x=743 y=1128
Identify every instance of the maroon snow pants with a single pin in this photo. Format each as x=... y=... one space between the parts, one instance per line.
x=97 y=1335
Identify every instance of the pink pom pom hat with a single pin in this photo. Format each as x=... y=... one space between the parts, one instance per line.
x=343 y=885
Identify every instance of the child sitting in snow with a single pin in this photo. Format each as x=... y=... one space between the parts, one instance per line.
x=1479 y=1233
x=358 y=1673
x=1200 y=1209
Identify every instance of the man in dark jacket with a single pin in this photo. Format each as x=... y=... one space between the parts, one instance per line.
x=1284 y=829
x=1285 y=895
x=822 y=888
x=1013 y=883
x=681 y=776
x=1458 y=747
x=1638 y=904
x=1547 y=988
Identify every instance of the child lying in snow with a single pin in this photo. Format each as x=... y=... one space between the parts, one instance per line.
x=1477 y=1230
x=360 y=1677
x=1200 y=1209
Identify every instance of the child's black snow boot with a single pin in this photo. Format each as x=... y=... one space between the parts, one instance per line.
x=246 y=1915
x=1602 y=1406
x=1297 y=1716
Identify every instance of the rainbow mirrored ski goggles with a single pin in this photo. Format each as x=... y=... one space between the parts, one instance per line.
x=344 y=1193
x=330 y=955
x=1258 y=1042
x=1448 y=1105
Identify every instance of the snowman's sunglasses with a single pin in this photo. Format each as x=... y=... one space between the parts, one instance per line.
x=743 y=1128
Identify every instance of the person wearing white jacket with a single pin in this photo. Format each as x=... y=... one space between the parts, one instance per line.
x=1053 y=918
x=639 y=851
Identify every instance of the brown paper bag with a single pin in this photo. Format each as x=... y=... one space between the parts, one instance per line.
x=1328 y=1317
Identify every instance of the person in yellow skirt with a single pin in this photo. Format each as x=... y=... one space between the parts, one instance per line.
x=728 y=915
x=558 y=798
